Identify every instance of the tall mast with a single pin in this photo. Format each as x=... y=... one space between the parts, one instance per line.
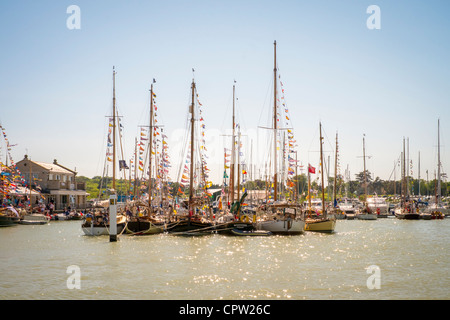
x=408 y=169
x=403 y=174
x=321 y=169
x=150 y=147
x=335 y=171
x=275 y=178
x=296 y=178
x=438 y=195
x=233 y=153
x=29 y=184
x=114 y=130
x=365 y=174
x=135 y=169
x=191 y=176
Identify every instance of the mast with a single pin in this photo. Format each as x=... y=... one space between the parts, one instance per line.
x=150 y=147
x=403 y=175
x=239 y=167
x=275 y=178
x=438 y=194
x=114 y=130
x=296 y=178
x=309 y=189
x=365 y=174
x=335 y=172
x=419 y=174
x=321 y=169
x=135 y=169
x=408 y=169
x=191 y=176
x=29 y=184
x=233 y=153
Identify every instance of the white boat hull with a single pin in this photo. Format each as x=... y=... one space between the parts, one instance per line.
x=367 y=216
x=282 y=226
x=34 y=219
x=100 y=230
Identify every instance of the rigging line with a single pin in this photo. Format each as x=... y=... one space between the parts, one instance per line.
x=225 y=118
x=185 y=145
x=263 y=110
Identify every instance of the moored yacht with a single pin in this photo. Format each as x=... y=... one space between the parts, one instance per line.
x=379 y=206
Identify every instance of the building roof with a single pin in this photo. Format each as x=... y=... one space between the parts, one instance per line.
x=53 y=168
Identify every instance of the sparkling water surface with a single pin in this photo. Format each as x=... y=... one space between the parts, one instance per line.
x=412 y=257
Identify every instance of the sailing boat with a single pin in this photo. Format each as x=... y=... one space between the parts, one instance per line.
x=337 y=211
x=366 y=212
x=436 y=210
x=146 y=225
x=233 y=221
x=193 y=223
x=98 y=224
x=279 y=218
x=406 y=210
x=322 y=223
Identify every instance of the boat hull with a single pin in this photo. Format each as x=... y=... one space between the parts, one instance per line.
x=143 y=228
x=341 y=216
x=320 y=225
x=193 y=227
x=99 y=230
x=408 y=216
x=7 y=221
x=251 y=233
x=285 y=227
x=425 y=216
x=34 y=219
x=228 y=227
x=367 y=216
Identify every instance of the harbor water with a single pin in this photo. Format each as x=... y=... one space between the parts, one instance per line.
x=382 y=259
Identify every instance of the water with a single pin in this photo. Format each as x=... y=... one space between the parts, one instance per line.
x=412 y=257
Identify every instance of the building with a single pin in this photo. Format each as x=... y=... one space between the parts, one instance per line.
x=56 y=183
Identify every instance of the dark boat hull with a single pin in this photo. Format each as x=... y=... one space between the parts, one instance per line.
x=193 y=227
x=143 y=228
x=6 y=221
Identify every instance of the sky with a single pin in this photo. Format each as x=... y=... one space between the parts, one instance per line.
x=382 y=84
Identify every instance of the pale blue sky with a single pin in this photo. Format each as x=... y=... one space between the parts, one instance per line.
x=56 y=83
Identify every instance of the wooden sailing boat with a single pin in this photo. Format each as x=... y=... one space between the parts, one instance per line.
x=323 y=223
x=366 y=212
x=232 y=221
x=279 y=218
x=406 y=210
x=146 y=224
x=96 y=225
x=192 y=224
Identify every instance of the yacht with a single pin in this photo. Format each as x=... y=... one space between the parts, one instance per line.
x=379 y=206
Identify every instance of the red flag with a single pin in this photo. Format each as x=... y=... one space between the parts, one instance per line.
x=311 y=169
